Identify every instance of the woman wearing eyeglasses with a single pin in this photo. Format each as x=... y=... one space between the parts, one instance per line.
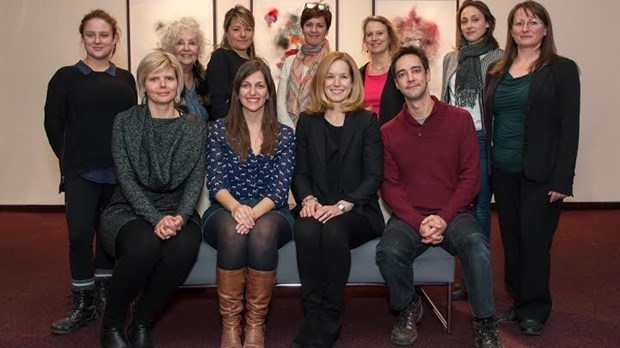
x=237 y=47
x=532 y=125
x=298 y=70
x=464 y=73
x=380 y=92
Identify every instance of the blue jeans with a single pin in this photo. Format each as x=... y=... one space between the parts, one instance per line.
x=400 y=245
x=482 y=202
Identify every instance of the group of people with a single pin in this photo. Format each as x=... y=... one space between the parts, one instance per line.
x=507 y=121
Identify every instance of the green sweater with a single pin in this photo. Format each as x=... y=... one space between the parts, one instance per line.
x=161 y=169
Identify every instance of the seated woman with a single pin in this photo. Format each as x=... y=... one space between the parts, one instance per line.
x=250 y=161
x=338 y=172
x=187 y=42
x=151 y=225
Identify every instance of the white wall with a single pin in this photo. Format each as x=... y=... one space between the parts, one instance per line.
x=39 y=36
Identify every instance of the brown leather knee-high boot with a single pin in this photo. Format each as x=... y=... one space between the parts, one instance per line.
x=230 y=298
x=257 y=296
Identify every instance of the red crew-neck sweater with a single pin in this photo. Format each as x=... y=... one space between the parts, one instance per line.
x=430 y=168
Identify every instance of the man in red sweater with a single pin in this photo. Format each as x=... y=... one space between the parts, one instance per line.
x=431 y=176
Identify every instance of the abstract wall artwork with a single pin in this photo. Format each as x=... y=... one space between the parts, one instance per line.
x=278 y=32
x=429 y=24
x=147 y=18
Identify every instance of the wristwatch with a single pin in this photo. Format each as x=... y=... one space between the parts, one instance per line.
x=342 y=208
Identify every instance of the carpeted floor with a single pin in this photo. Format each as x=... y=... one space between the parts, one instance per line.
x=585 y=283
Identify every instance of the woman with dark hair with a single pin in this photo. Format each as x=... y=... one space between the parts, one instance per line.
x=186 y=41
x=532 y=125
x=464 y=73
x=338 y=172
x=236 y=48
x=82 y=101
x=151 y=224
x=298 y=70
x=380 y=92
x=250 y=161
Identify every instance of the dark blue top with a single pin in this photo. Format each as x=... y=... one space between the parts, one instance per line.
x=259 y=176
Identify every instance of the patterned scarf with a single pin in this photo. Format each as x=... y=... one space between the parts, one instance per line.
x=298 y=86
x=468 y=84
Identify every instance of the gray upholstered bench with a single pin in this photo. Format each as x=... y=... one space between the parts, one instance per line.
x=433 y=267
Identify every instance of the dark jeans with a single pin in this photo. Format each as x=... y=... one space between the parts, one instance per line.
x=84 y=201
x=154 y=266
x=482 y=202
x=527 y=222
x=401 y=244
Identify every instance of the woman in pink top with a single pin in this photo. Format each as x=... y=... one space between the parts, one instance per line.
x=380 y=41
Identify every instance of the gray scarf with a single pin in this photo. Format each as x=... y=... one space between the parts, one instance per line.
x=468 y=86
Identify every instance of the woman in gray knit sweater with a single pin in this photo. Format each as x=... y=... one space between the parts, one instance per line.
x=151 y=225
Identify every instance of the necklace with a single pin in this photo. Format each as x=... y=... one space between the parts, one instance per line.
x=378 y=68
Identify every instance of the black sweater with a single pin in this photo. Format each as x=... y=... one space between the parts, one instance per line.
x=79 y=114
x=220 y=77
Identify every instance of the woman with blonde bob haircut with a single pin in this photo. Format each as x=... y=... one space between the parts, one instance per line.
x=338 y=171
x=151 y=225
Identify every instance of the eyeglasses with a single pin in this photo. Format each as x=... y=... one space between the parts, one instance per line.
x=320 y=6
x=530 y=23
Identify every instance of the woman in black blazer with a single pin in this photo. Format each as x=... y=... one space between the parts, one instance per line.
x=532 y=125
x=339 y=168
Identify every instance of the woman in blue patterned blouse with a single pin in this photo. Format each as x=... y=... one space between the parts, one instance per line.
x=250 y=162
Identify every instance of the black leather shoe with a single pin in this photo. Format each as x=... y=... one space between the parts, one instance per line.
x=460 y=292
x=113 y=337
x=80 y=315
x=531 y=327
x=140 y=336
x=327 y=336
x=307 y=333
x=508 y=317
x=485 y=333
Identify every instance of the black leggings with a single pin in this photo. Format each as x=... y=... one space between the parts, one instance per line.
x=84 y=201
x=257 y=249
x=154 y=266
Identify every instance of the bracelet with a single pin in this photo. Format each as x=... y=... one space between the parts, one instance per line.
x=308 y=199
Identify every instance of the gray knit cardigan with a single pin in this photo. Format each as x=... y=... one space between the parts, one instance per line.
x=152 y=184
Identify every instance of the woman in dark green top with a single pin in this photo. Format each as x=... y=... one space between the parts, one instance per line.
x=532 y=123
x=151 y=225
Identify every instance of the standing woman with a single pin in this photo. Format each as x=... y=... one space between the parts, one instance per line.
x=463 y=82
x=338 y=172
x=184 y=39
x=236 y=48
x=532 y=123
x=380 y=92
x=82 y=101
x=250 y=161
x=299 y=70
x=151 y=224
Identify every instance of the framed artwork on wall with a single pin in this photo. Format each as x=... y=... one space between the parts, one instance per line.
x=278 y=32
x=429 y=24
x=146 y=20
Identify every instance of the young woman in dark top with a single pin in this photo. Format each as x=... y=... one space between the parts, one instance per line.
x=250 y=161
x=151 y=224
x=338 y=172
x=187 y=42
x=82 y=101
x=236 y=48
x=531 y=118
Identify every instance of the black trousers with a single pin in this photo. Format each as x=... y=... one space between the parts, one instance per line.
x=154 y=266
x=528 y=222
x=324 y=262
x=84 y=201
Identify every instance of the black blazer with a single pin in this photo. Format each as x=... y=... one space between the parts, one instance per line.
x=361 y=163
x=391 y=99
x=551 y=124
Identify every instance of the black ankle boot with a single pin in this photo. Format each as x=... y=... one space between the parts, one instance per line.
x=82 y=313
x=100 y=295
x=113 y=337
x=140 y=336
